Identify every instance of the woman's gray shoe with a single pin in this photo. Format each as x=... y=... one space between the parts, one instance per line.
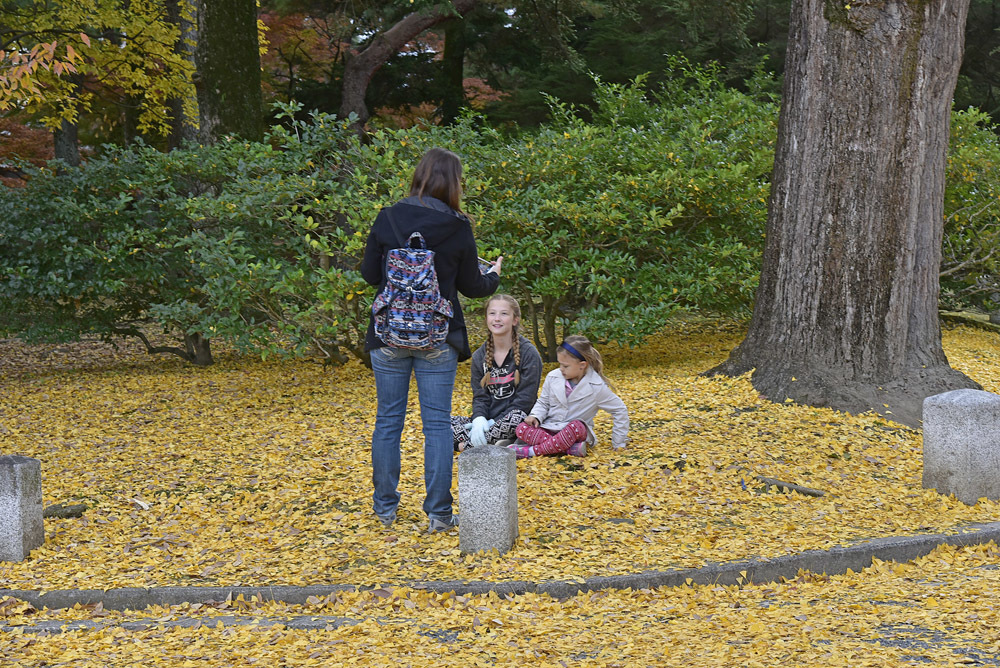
x=387 y=520
x=442 y=523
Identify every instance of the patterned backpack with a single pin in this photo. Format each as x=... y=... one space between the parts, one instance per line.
x=410 y=312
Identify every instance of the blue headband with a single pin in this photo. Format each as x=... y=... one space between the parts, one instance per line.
x=572 y=351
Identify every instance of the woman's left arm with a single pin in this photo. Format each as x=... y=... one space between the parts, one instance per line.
x=470 y=281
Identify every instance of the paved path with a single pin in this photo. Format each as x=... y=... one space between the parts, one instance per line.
x=911 y=636
x=834 y=561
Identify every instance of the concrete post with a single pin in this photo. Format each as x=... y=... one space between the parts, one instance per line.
x=487 y=496
x=962 y=444
x=21 y=528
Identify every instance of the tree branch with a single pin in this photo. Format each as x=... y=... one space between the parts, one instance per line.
x=151 y=349
x=360 y=69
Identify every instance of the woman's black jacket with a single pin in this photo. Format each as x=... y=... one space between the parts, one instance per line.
x=449 y=235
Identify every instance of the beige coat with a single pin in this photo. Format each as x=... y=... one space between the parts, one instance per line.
x=554 y=410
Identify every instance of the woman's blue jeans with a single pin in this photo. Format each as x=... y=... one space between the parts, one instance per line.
x=435 y=371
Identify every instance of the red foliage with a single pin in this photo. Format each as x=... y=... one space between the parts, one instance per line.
x=20 y=141
x=478 y=93
x=301 y=46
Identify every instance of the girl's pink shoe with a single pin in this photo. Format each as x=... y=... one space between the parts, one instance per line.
x=523 y=451
x=578 y=449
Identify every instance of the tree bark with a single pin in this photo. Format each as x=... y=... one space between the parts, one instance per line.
x=182 y=128
x=453 y=70
x=360 y=68
x=130 y=120
x=846 y=310
x=228 y=70
x=65 y=144
x=199 y=349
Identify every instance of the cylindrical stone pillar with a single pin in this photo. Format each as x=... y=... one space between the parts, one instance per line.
x=962 y=444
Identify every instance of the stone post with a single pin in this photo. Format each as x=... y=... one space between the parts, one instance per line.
x=21 y=528
x=487 y=497
x=962 y=444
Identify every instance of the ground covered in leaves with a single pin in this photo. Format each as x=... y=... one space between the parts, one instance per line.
x=941 y=610
x=252 y=472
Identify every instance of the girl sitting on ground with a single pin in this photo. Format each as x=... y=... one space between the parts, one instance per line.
x=562 y=420
x=506 y=371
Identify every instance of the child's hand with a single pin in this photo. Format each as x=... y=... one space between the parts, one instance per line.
x=532 y=420
x=477 y=435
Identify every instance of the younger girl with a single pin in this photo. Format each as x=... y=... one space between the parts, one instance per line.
x=562 y=420
x=506 y=371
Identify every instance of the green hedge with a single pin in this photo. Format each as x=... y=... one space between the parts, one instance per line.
x=607 y=227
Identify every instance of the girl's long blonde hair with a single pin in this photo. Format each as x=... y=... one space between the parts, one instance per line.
x=515 y=339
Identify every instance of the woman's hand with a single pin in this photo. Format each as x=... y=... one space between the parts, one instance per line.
x=496 y=265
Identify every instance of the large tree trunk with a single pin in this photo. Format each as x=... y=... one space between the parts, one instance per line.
x=182 y=128
x=228 y=76
x=846 y=311
x=65 y=144
x=453 y=69
x=360 y=68
x=199 y=349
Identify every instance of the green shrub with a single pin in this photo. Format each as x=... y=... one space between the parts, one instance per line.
x=606 y=227
x=970 y=264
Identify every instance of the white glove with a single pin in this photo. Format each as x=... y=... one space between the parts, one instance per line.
x=477 y=435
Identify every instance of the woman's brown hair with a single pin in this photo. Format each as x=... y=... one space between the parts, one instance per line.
x=439 y=174
x=515 y=309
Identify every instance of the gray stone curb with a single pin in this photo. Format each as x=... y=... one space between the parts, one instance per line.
x=302 y=623
x=834 y=561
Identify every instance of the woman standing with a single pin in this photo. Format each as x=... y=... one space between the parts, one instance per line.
x=434 y=210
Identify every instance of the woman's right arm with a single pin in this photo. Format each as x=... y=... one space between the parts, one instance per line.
x=372 y=265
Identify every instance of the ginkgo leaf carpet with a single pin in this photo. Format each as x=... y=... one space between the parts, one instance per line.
x=257 y=473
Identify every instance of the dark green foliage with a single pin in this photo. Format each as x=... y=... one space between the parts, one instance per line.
x=979 y=78
x=657 y=205
x=607 y=227
x=617 y=47
x=970 y=267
